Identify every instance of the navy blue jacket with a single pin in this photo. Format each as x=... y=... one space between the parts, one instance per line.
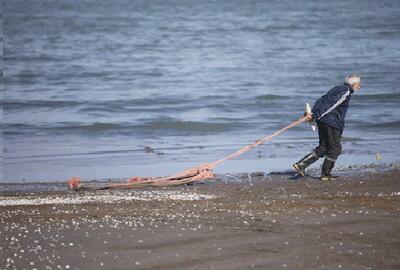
x=331 y=108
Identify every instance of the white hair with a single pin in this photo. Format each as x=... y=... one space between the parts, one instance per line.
x=352 y=79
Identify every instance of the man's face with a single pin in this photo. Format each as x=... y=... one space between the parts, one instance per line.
x=356 y=86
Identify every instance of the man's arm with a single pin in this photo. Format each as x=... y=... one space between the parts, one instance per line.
x=339 y=100
x=330 y=101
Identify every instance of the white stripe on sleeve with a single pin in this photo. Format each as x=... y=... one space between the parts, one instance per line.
x=340 y=101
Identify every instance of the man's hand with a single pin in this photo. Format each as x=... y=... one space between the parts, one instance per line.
x=309 y=116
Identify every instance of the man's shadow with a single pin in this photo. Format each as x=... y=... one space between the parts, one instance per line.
x=293 y=176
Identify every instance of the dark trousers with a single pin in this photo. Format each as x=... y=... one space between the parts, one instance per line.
x=329 y=142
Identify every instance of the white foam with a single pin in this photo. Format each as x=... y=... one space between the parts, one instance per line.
x=104 y=198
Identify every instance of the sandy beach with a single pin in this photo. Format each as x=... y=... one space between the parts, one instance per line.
x=250 y=222
x=106 y=91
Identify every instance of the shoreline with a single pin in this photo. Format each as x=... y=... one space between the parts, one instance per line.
x=125 y=163
x=313 y=171
x=256 y=222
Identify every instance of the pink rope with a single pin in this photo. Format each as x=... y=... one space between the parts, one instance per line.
x=199 y=173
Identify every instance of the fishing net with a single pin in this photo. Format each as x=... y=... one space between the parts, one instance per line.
x=195 y=174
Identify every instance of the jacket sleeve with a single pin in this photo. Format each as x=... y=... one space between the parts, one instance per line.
x=330 y=101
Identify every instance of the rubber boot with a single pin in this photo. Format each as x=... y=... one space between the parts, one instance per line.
x=303 y=163
x=327 y=167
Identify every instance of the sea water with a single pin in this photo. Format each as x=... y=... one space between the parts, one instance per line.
x=113 y=89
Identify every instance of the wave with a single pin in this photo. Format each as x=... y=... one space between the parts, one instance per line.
x=170 y=126
x=190 y=126
x=29 y=104
x=392 y=124
x=157 y=104
x=379 y=98
x=271 y=97
x=61 y=126
x=106 y=104
x=377 y=125
x=271 y=28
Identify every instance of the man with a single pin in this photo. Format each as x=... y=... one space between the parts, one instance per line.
x=329 y=112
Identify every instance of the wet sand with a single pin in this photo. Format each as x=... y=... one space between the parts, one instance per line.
x=256 y=222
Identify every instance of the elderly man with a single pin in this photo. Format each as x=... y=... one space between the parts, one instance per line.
x=329 y=112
